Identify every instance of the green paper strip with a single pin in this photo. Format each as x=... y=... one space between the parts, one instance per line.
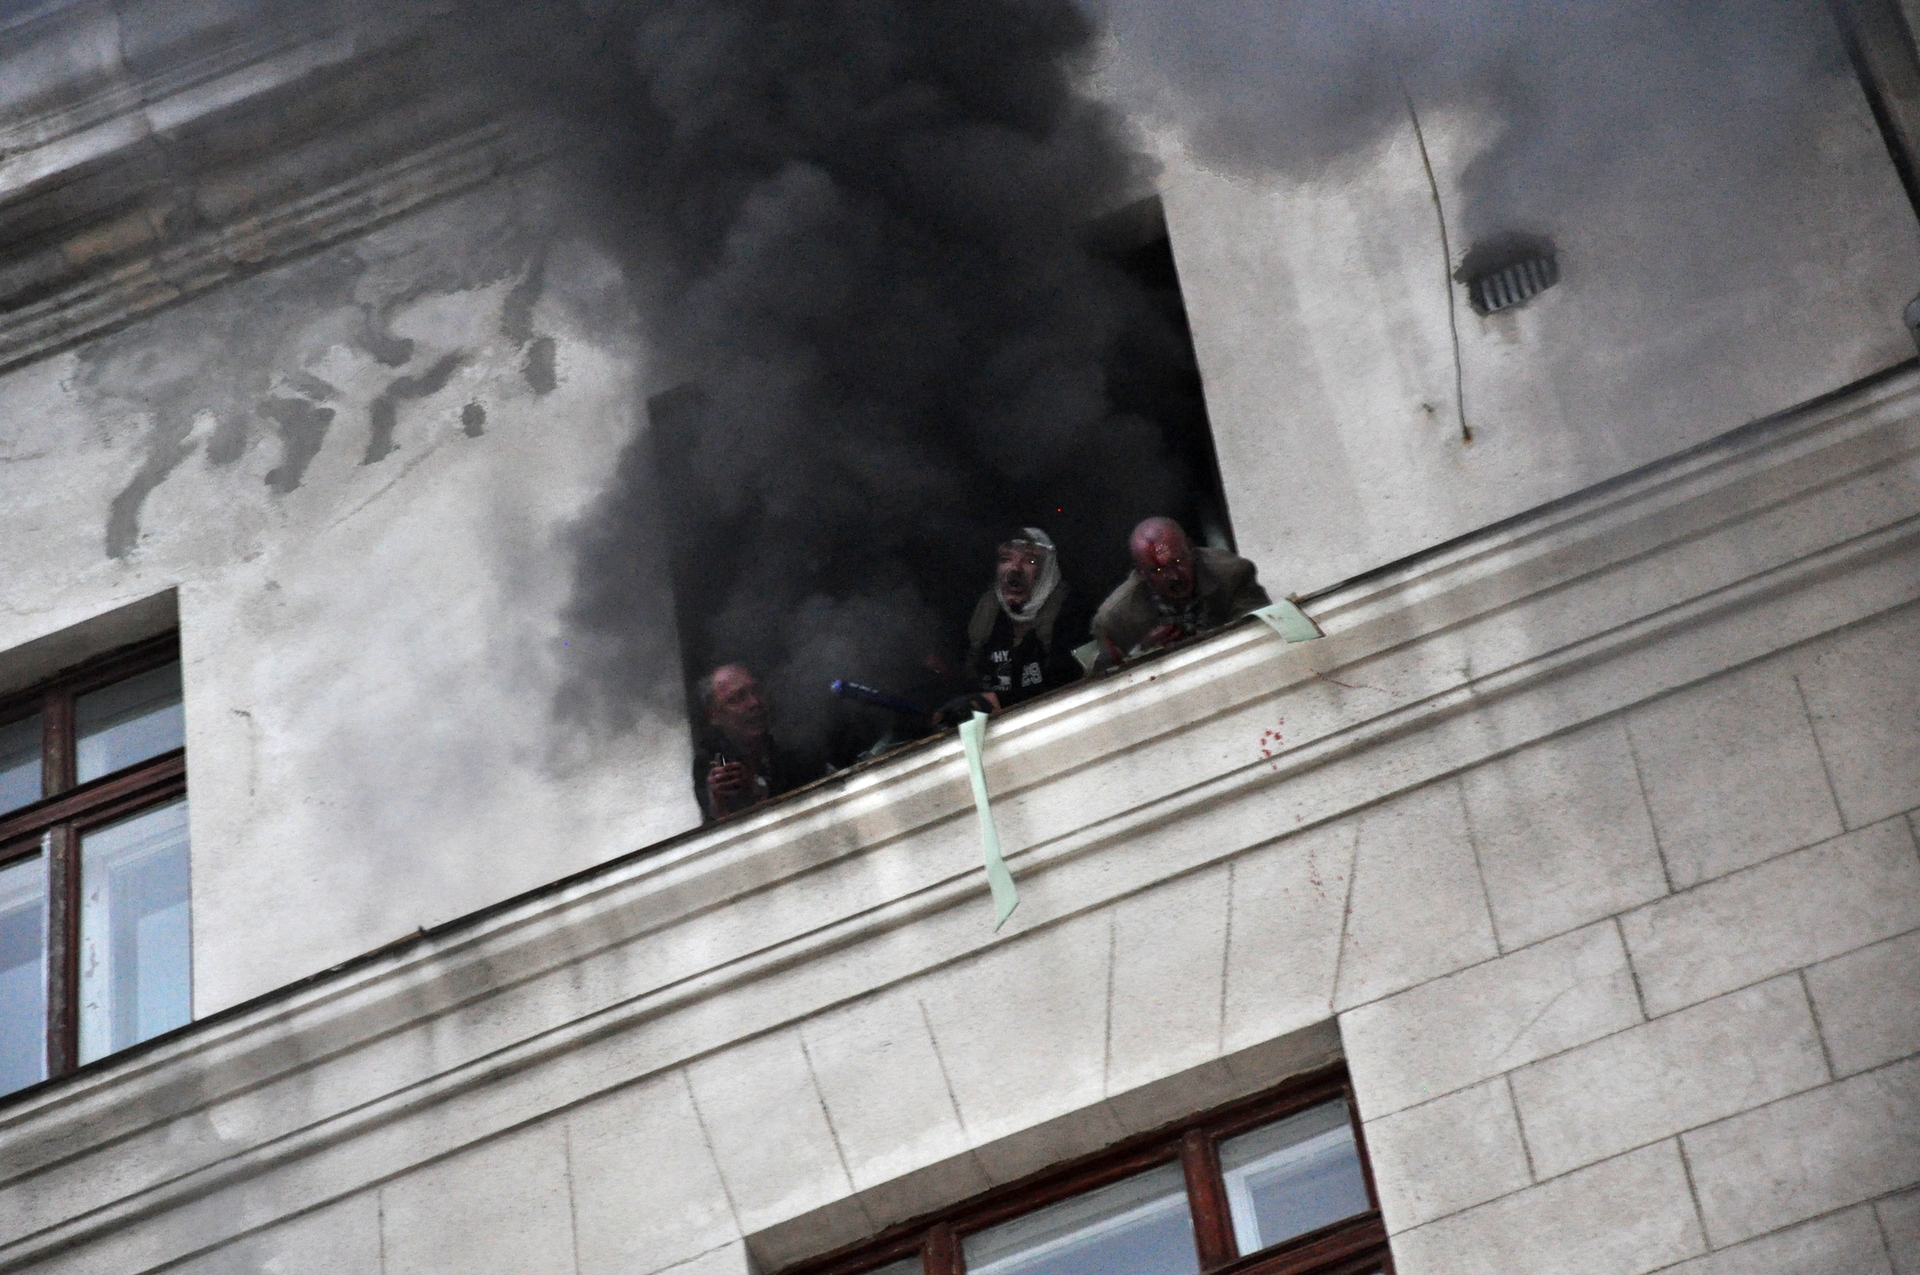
x=1290 y=622
x=1087 y=653
x=973 y=735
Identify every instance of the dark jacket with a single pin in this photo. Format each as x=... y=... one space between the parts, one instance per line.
x=1019 y=669
x=784 y=771
x=1225 y=589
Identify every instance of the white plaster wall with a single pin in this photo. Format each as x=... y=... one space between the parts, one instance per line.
x=1591 y=844
x=1716 y=295
x=372 y=655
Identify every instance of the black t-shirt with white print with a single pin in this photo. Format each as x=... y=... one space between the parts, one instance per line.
x=1017 y=670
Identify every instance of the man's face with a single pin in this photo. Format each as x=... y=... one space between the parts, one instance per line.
x=1018 y=570
x=1165 y=561
x=740 y=709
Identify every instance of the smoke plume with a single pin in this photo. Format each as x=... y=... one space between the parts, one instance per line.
x=862 y=230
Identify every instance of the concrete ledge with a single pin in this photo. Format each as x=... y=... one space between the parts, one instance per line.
x=96 y=635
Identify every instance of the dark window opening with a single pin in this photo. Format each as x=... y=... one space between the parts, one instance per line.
x=1151 y=374
x=1165 y=388
x=1275 y=1185
x=95 y=941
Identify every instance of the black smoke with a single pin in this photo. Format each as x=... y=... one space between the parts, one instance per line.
x=860 y=231
x=866 y=236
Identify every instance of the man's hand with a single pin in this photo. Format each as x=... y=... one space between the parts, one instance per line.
x=1164 y=635
x=729 y=786
x=962 y=707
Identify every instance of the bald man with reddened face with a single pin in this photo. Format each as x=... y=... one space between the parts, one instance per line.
x=1177 y=590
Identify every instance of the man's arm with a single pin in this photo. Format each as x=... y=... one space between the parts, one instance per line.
x=979 y=630
x=702 y=763
x=1120 y=623
x=1242 y=580
x=1249 y=597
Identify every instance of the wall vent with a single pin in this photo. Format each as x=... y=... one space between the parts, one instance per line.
x=1512 y=284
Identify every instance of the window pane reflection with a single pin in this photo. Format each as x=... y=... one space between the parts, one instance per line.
x=1292 y=1177
x=905 y=1266
x=23 y=976
x=134 y=948
x=19 y=763
x=1137 y=1227
x=129 y=721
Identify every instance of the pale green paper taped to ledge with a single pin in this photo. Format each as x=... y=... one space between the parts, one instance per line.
x=973 y=734
x=1290 y=622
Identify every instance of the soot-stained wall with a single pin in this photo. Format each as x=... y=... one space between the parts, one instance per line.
x=360 y=472
x=1713 y=271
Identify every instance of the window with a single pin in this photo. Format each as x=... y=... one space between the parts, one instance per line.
x=1275 y=1185
x=95 y=952
x=739 y=559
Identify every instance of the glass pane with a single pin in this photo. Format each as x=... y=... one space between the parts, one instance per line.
x=1292 y=1177
x=19 y=763
x=23 y=973
x=129 y=721
x=134 y=949
x=1137 y=1227
x=905 y=1266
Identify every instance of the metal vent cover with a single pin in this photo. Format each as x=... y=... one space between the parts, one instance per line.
x=1502 y=289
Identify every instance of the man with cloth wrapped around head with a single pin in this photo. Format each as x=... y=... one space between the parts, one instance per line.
x=1017 y=644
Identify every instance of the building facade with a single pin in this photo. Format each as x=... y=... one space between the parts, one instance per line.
x=1578 y=858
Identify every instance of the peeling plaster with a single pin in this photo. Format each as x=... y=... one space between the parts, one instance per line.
x=385 y=412
x=242 y=360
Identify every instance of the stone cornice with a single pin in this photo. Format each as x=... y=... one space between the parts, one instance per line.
x=133 y=178
x=175 y=272
x=1527 y=630
x=71 y=70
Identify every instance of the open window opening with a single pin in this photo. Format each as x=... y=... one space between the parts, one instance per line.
x=95 y=941
x=1151 y=378
x=1278 y=1184
x=1162 y=386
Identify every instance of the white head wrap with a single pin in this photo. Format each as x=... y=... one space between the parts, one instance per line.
x=1043 y=587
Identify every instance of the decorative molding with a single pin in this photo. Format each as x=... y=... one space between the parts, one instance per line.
x=113 y=297
x=244 y=64
x=109 y=219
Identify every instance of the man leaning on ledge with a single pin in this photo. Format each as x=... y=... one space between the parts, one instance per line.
x=1176 y=590
x=1017 y=643
x=736 y=762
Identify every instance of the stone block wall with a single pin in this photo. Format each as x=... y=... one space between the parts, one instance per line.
x=1636 y=998
x=1705 y=1050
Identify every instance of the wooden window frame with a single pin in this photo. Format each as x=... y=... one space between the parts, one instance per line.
x=67 y=809
x=1354 y=1246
